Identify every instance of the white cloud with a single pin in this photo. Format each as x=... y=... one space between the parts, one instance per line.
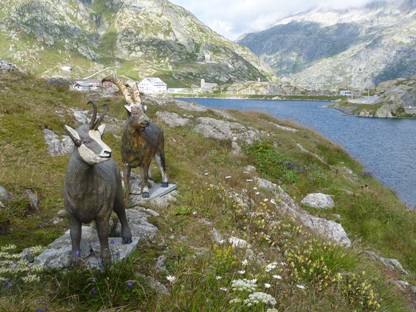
x=232 y=18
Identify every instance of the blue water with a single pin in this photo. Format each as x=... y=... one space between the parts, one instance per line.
x=385 y=147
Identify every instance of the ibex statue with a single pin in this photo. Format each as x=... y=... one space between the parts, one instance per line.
x=142 y=140
x=93 y=187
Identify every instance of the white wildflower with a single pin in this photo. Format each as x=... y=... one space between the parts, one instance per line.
x=224 y=289
x=235 y=300
x=241 y=272
x=257 y=193
x=228 y=177
x=260 y=297
x=218 y=277
x=266 y=200
x=171 y=279
x=8 y=247
x=270 y=267
x=31 y=278
x=244 y=285
x=267 y=285
x=276 y=276
x=300 y=286
x=244 y=262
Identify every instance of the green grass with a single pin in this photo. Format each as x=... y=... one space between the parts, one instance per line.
x=332 y=275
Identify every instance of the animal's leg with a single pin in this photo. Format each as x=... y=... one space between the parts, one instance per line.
x=125 y=229
x=103 y=232
x=145 y=181
x=126 y=181
x=160 y=160
x=75 y=230
x=149 y=173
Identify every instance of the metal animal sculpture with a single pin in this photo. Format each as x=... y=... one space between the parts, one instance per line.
x=142 y=140
x=93 y=187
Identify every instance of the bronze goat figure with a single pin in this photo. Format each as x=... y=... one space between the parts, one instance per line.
x=142 y=140
x=93 y=187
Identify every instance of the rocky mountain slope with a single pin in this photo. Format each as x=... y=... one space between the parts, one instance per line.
x=353 y=48
x=267 y=215
x=136 y=38
x=393 y=98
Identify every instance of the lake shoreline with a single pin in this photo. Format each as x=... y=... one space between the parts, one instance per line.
x=338 y=127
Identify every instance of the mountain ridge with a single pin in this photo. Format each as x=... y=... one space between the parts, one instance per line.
x=353 y=48
x=137 y=38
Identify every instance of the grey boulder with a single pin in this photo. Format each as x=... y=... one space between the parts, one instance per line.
x=318 y=200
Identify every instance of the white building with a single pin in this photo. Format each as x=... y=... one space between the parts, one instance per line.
x=206 y=86
x=151 y=85
x=345 y=93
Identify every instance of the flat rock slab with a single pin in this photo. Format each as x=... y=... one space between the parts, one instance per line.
x=58 y=254
x=156 y=191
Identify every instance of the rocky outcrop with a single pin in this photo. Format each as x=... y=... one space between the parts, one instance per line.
x=390 y=263
x=153 y=36
x=318 y=200
x=328 y=229
x=226 y=130
x=57 y=146
x=7 y=67
x=173 y=120
x=57 y=254
x=324 y=49
x=393 y=98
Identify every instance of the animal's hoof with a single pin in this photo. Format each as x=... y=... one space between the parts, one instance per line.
x=146 y=195
x=165 y=184
x=127 y=240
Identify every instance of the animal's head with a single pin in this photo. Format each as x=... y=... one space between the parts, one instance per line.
x=87 y=140
x=137 y=117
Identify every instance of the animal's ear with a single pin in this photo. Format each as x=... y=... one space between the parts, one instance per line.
x=101 y=128
x=73 y=134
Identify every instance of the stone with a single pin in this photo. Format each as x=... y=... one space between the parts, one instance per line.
x=8 y=67
x=61 y=213
x=326 y=228
x=160 y=197
x=173 y=120
x=235 y=149
x=4 y=194
x=34 y=203
x=154 y=284
x=238 y=242
x=57 y=255
x=226 y=130
x=81 y=116
x=318 y=200
x=217 y=237
x=224 y=114
x=27 y=255
x=390 y=263
x=191 y=106
x=249 y=169
x=57 y=146
x=160 y=265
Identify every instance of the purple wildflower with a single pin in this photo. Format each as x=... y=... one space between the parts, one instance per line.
x=78 y=253
x=130 y=284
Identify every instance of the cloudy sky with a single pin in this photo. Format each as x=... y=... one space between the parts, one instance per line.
x=232 y=18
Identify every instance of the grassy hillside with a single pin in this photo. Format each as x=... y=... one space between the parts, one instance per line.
x=309 y=273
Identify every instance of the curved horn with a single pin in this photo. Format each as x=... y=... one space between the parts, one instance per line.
x=101 y=118
x=120 y=85
x=94 y=114
x=135 y=94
